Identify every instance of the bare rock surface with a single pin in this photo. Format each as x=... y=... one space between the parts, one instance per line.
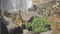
x=30 y=32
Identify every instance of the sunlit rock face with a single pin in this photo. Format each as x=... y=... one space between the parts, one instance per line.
x=46 y=1
x=35 y=1
x=41 y=1
x=15 y=4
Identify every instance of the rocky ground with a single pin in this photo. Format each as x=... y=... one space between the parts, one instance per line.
x=29 y=32
x=43 y=10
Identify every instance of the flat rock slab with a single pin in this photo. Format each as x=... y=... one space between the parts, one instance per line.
x=47 y=32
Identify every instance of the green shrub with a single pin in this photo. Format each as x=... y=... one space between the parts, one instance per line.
x=38 y=24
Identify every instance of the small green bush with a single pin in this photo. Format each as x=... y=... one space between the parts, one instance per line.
x=38 y=24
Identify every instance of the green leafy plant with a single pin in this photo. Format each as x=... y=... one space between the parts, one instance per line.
x=38 y=24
